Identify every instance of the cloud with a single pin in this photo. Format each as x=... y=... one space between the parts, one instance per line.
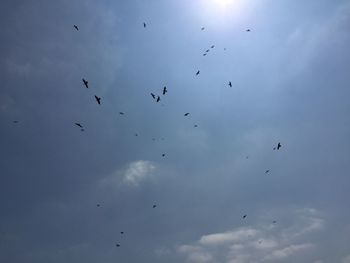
x=258 y=244
x=346 y=259
x=137 y=172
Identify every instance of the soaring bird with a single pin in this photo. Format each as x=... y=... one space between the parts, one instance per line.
x=144 y=24
x=244 y=216
x=202 y=28
x=158 y=99
x=207 y=50
x=98 y=99
x=153 y=96
x=279 y=146
x=164 y=90
x=186 y=114
x=78 y=124
x=163 y=155
x=204 y=54
x=86 y=83
x=248 y=30
x=136 y=134
x=117 y=245
x=154 y=206
x=267 y=171
x=197 y=72
x=76 y=27
x=122 y=232
x=15 y=121
x=274 y=222
x=230 y=84
x=121 y=113
x=195 y=126
x=212 y=46
x=98 y=205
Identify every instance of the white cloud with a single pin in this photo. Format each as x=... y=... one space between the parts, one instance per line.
x=258 y=244
x=137 y=172
x=346 y=259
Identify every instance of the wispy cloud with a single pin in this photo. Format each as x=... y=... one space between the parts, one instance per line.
x=137 y=172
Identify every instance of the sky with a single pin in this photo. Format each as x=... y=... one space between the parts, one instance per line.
x=66 y=194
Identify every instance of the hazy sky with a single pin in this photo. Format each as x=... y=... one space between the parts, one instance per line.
x=290 y=84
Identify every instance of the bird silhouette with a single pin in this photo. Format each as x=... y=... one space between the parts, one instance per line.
x=204 y=54
x=86 y=83
x=144 y=24
x=164 y=90
x=153 y=96
x=158 y=99
x=122 y=232
x=186 y=114
x=207 y=50
x=245 y=216
x=117 y=245
x=79 y=125
x=98 y=205
x=154 y=206
x=76 y=27
x=98 y=99
x=202 y=28
x=212 y=46
x=248 y=30
x=230 y=84
x=197 y=72
x=163 y=155
x=267 y=171
x=121 y=113
x=136 y=134
x=279 y=146
x=274 y=222
x=15 y=121
x=195 y=126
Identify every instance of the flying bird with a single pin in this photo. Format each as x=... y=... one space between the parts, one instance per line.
x=195 y=126
x=136 y=134
x=212 y=46
x=207 y=50
x=274 y=222
x=122 y=232
x=248 y=30
x=79 y=125
x=164 y=90
x=230 y=84
x=144 y=24
x=15 y=121
x=117 y=245
x=186 y=114
x=121 y=113
x=76 y=27
x=197 y=73
x=158 y=99
x=98 y=205
x=98 y=99
x=202 y=28
x=153 y=96
x=163 y=155
x=86 y=83
x=154 y=206
x=244 y=216
x=267 y=171
x=204 y=54
x=279 y=146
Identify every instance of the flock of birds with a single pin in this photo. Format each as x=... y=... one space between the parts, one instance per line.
x=157 y=99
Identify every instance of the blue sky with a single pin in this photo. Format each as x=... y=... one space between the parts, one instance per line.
x=290 y=84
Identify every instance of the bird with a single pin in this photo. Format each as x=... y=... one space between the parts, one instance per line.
x=121 y=113
x=186 y=114
x=202 y=28
x=122 y=232
x=279 y=146
x=267 y=171
x=154 y=206
x=244 y=216
x=98 y=205
x=78 y=124
x=158 y=99
x=195 y=126
x=197 y=72
x=224 y=48
x=164 y=90
x=204 y=54
x=230 y=84
x=86 y=83
x=98 y=99
x=136 y=134
x=207 y=50
x=144 y=24
x=248 y=30
x=76 y=27
x=163 y=155
x=15 y=121
x=117 y=245
x=212 y=46
x=274 y=222
x=153 y=96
